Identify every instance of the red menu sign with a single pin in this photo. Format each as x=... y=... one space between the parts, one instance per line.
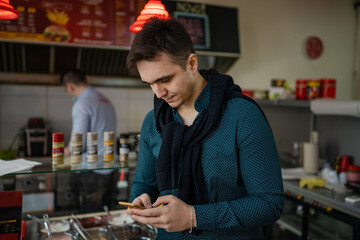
x=94 y=22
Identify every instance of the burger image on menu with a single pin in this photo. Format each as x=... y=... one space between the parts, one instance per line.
x=57 y=30
x=56 y=33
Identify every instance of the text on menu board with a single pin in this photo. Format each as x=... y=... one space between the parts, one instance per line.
x=197 y=25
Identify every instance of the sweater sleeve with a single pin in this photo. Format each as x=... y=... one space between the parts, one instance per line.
x=145 y=175
x=260 y=171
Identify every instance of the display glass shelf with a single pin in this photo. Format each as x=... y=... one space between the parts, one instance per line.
x=47 y=166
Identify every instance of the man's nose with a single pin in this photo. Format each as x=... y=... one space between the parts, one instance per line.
x=158 y=90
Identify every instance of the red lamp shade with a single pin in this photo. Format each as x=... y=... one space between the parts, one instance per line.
x=153 y=8
x=7 y=11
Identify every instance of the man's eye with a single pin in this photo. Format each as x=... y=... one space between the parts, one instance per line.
x=165 y=80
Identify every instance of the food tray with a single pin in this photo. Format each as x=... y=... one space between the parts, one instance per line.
x=61 y=229
x=134 y=231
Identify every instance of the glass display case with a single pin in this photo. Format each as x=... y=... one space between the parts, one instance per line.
x=71 y=188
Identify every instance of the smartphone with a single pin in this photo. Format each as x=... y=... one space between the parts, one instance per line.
x=131 y=205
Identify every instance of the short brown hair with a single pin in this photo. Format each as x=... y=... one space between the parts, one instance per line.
x=73 y=75
x=161 y=35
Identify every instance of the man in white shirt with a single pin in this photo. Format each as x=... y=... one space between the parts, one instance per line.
x=91 y=112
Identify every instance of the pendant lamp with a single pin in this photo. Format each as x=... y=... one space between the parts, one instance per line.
x=153 y=8
x=7 y=11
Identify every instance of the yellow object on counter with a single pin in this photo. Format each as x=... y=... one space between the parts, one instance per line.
x=311 y=182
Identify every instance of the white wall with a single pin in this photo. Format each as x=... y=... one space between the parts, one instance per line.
x=272 y=35
x=20 y=102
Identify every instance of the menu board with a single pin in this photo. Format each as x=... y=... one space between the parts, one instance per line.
x=106 y=22
x=95 y=22
x=211 y=28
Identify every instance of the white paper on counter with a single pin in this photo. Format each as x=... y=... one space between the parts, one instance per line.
x=294 y=173
x=10 y=166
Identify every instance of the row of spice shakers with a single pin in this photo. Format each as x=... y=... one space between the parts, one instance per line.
x=307 y=89
x=92 y=147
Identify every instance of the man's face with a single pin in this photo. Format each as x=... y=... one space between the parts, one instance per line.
x=168 y=80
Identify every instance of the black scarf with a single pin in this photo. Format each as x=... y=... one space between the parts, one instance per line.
x=178 y=139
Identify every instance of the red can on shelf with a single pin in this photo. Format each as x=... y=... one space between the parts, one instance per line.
x=353 y=173
x=58 y=148
x=301 y=89
x=328 y=88
x=345 y=162
x=248 y=93
x=313 y=88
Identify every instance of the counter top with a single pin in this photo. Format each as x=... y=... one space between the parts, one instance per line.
x=324 y=196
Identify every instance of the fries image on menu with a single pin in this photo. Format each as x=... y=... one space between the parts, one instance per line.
x=60 y=18
x=57 y=31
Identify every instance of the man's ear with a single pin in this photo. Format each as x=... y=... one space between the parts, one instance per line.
x=70 y=86
x=192 y=62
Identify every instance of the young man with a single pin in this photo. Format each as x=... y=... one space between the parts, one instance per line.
x=208 y=166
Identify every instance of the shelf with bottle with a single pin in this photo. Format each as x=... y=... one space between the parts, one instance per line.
x=285 y=103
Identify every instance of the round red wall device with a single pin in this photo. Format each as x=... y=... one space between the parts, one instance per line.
x=314 y=47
